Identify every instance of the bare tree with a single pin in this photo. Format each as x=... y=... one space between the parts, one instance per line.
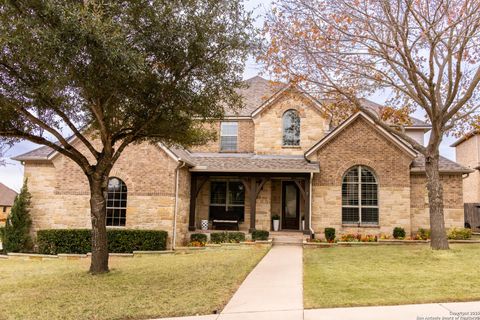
x=424 y=52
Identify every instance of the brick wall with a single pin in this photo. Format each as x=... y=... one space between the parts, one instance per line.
x=361 y=144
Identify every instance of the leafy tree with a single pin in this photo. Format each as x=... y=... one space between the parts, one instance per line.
x=112 y=73
x=16 y=235
x=425 y=53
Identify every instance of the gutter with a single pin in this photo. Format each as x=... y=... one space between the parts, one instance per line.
x=175 y=210
x=312 y=233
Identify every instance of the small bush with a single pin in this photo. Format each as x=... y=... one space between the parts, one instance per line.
x=350 y=237
x=236 y=237
x=330 y=234
x=423 y=234
x=54 y=241
x=459 y=234
x=260 y=235
x=198 y=237
x=196 y=244
x=275 y=217
x=17 y=227
x=399 y=233
x=218 y=237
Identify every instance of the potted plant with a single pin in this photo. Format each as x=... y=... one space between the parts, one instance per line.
x=303 y=223
x=276 y=222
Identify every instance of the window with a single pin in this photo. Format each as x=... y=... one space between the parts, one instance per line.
x=4 y=209
x=116 y=203
x=359 y=197
x=228 y=136
x=227 y=200
x=291 y=128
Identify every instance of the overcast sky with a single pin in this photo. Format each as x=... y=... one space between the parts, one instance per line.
x=12 y=173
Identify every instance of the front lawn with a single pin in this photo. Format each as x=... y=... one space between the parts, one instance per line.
x=389 y=275
x=136 y=288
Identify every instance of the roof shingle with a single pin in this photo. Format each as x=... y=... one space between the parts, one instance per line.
x=7 y=196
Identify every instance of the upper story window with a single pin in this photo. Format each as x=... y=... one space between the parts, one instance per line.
x=116 y=203
x=359 y=197
x=228 y=136
x=291 y=128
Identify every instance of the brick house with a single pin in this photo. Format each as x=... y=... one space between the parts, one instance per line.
x=277 y=156
x=7 y=197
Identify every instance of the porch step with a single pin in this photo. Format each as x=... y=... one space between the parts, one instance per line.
x=287 y=238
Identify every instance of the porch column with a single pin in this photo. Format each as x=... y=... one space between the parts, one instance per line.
x=254 y=189
x=307 y=206
x=193 y=202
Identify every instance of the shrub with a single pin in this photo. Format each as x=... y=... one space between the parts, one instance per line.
x=196 y=244
x=54 y=241
x=368 y=238
x=423 y=234
x=275 y=217
x=198 y=237
x=330 y=234
x=399 y=233
x=236 y=237
x=459 y=234
x=260 y=235
x=17 y=227
x=218 y=237
x=350 y=237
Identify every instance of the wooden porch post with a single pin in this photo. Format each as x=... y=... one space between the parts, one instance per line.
x=193 y=202
x=253 y=204
x=307 y=206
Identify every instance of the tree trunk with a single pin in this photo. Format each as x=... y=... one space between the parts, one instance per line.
x=435 y=199
x=99 y=262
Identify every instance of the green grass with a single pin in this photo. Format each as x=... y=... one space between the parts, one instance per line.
x=390 y=275
x=136 y=288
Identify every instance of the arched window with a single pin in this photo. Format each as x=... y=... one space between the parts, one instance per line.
x=359 y=196
x=116 y=203
x=291 y=128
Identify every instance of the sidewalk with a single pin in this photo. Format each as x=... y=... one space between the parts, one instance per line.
x=432 y=311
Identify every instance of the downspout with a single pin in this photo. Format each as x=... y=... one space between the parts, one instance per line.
x=312 y=233
x=175 y=210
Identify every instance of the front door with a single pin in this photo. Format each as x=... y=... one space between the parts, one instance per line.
x=290 y=206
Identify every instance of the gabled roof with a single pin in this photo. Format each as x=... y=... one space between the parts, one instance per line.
x=445 y=165
x=42 y=153
x=7 y=196
x=332 y=134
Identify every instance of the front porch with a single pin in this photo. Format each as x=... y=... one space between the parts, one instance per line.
x=247 y=201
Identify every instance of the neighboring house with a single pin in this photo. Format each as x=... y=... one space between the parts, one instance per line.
x=7 y=197
x=468 y=154
x=278 y=155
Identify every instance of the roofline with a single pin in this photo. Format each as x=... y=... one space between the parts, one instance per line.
x=205 y=169
x=420 y=170
x=352 y=118
x=172 y=155
x=465 y=138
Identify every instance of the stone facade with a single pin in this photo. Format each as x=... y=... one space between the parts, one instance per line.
x=468 y=154
x=268 y=126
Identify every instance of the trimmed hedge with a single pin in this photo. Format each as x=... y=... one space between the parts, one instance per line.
x=260 y=235
x=227 y=237
x=198 y=237
x=399 y=233
x=459 y=234
x=54 y=241
x=330 y=234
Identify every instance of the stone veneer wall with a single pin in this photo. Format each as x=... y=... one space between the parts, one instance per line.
x=269 y=126
x=452 y=198
x=60 y=195
x=361 y=144
x=468 y=154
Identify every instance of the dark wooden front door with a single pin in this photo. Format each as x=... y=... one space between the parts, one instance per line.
x=290 y=205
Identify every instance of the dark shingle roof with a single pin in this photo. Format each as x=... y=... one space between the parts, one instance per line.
x=41 y=153
x=7 y=196
x=446 y=165
x=249 y=162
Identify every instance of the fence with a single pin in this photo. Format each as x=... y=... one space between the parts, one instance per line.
x=472 y=216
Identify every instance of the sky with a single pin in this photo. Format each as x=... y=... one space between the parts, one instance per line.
x=11 y=174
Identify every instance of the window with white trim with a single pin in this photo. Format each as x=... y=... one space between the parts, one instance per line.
x=228 y=136
x=291 y=128
x=359 y=197
x=116 y=203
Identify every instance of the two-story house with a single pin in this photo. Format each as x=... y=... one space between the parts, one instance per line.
x=277 y=156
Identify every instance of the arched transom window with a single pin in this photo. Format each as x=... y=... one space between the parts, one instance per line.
x=116 y=202
x=291 y=128
x=359 y=196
